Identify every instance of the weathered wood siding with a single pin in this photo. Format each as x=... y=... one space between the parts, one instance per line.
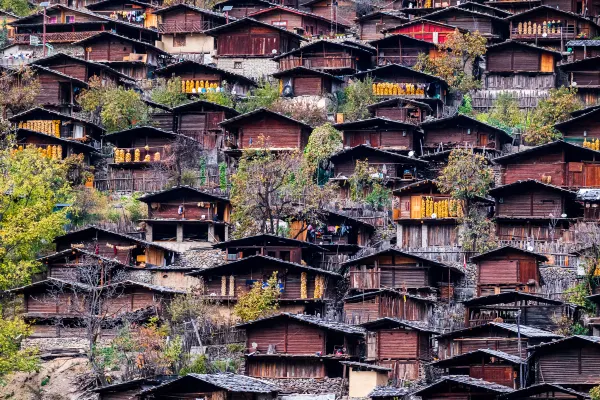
x=288 y=337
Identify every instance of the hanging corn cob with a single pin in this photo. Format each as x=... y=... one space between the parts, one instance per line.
x=303 y=286
x=223 y=285
x=231 y=286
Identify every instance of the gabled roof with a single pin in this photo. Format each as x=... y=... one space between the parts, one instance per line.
x=476 y=355
x=584 y=42
x=465 y=380
x=208 y=104
x=396 y=251
x=461 y=118
x=264 y=111
x=128 y=385
x=347 y=219
x=53 y=72
x=198 y=10
x=452 y=9
x=141 y=130
x=303 y=71
x=375 y=122
x=246 y=264
x=396 y=100
x=365 y=367
x=388 y=391
x=226 y=381
x=249 y=21
x=588 y=195
x=52 y=114
x=364 y=150
x=541 y=388
x=265 y=2
x=425 y=21
x=570 y=340
x=585 y=110
x=544 y=148
x=394 y=37
x=51 y=282
x=324 y=42
x=587 y=64
x=176 y=191
x=526 y=331
x=417 y=185
x=555 y=10
x=420 y=326
x=172 y=68
x=9 y=14
x=509 y=297
x=297 y=12
x=42 y=61
x=78 y=232
x=100 y=35
x=507 y=248
x=485 y=7
x=593 y=112
x=265 y=239
x=399 y=70
x=379 y=13
x=375 y=293
x=528 y=183
x=67 y=252
x=152 y=288
x=509 y=42
x=99 y=4
x=311 y=320
x=25 y=20
x=75 y=143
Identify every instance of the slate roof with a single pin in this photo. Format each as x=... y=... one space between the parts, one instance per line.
x=508 y=297
x=301 y=70
x=421 y=326
x=154 y=288
x=324 y=42
x=540 y=388
x=524 y=182
x=590 y=339
x=466 y=10
x=154 y=196
x=588 y=194
x=54 y=72
x=51 y=282
x=227 y=381
x=546 y=7
x=398 y=293
x=273 y=240
x=400 y=67
x=465 y=358
x=545 y=147
x=526 y=331
x=388 y=391
x=365 y=366
x=592 y=110
x=298 y=12
x=577 y=43
x=193 y=8
x=191 y=105
x=378 y=122
x=248 y=20
x=259 y=111
x=468 y=381
x=397 y=100
x=112 y=34
x=375 y=151
x=425 y=20
x=353 y=220
x=459 y=117
x=312 y=320
x=501 y=249
x=397 y=251
x=81 y=251
x=523 y=44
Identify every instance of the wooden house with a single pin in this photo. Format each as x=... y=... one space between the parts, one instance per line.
x=341 y=11
x=67 y=264
x=590 y=201
x=58 y=91
x=462 y=387
x=381 y=133
x=57 y=147
x=458 y=130
x=402 y=110
x=403 y=346
x=582 y=129
x=430 y=31
x=122 y=248
x=508 y=268
x=279 y=131
x=129 y=297
x=243 y=8
x=546 y=391
x=65 y=25
x=536 y=311
x=400 y=49
x=491 y=27
x=487 y=364
x=370 y=25
x=182 y=28
x=569 y=361
x=200 y=74
x=131 y=57
x=512 y=6
x=290 y=345
x=530 y=209
x=59 y=125
x=516 y=65
x=200 y=121
x=136 y=151
x=303 y=23
x=339 y=232
x=303 y=289
x=391 y=168
x=183 y=217
x=292 y=250
x=8 y=17
x=594 y=321
x=498 y=336
x=400 y=270
x=248 y=46
x=363 y=378
x=224 y=386
x=333 y=57
x=133 y=12
x=582 y=49
x=414 y=206
x=387 y=303
x=117 y=391
x=584 y=75
x=550 y=27
x=397 y=80
x=559 y=163
x=302 y=81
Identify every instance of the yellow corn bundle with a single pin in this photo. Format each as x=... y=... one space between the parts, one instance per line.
x=319 y=287
x=57 y=128
x=593 y=144
x=423 y=210
x=223 y=285
x=59 y=152
x=197 y=85
x=128 y=156
x=232 y=285
x=136 y=155
x=303 y=286
x=147 y=158
x=157 y=156
x=49 y=127
x=459 y=209
x=182 y=86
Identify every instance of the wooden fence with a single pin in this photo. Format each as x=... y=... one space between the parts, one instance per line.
x=483 y=100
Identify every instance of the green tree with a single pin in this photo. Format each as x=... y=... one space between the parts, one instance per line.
x=505 y=114
x=168 y=92
x=595 y=393
x=18 y=7
x=556 y=108
x=466 y=175
x=18 y=90
x=118 y=108
x=260 y=301
x=31 y=186
x=12 y=357
x=355 y=99
x=264 y=96
x=323 y=142
x=4 y=34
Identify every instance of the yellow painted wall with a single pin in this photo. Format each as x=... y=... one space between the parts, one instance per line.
x=363 y=382
x=194 y=43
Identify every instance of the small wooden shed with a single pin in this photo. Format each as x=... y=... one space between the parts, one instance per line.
x=372 y=305
x=461 y=387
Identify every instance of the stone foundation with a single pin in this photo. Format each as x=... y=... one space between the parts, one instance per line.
x=339 y=386
x=250 y=67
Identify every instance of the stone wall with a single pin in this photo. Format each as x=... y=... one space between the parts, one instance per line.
x=250 y=67
x=339 y=386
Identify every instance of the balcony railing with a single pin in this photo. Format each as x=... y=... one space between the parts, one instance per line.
x=407 y=61
x=546 y=30
x=185 y=27
x=140 y=154
x=326 y=62
x=55 y=37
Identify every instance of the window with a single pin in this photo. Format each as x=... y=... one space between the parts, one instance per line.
x=282 y=24
x=52 y=20
x=78 y=131
x=70 y=19
x=178 y=40
x=237 y=65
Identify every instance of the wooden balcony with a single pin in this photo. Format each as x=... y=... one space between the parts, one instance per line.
x=54 y=37
x=325 y=62
x=540 y=31
x=185 y=27
x=407 y=61
x=153 y=154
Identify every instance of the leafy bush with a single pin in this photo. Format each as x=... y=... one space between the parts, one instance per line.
x=168 y=92
x=357 y=96
x=264 y=96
